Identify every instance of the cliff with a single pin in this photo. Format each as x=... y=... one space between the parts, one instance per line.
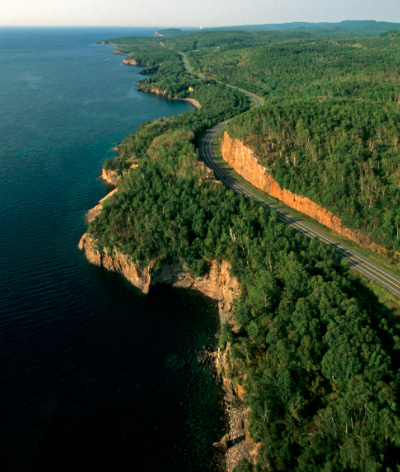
x=130 y=62
x=117 y=262
x=237 y=444
x=217 y=284
x=111 y=177
x=244 y=161
x=165 y=94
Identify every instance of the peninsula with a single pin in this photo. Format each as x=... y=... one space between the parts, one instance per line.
x=306 y=348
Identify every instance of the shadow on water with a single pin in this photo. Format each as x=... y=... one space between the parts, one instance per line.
x=133 y=395
x=94 y=377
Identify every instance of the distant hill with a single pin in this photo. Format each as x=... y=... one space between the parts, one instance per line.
x=392 y=34
x=367 y=27
x=170 y=32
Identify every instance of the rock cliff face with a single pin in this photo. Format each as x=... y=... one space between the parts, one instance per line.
x=130 y=62
x=237 y=443
x=153 y=90
x=166 y=95
x=218 y=284
x=110 y=177
x=244 y=161
x=116 y=262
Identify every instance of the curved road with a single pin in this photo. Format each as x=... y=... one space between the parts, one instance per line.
x=360 y=263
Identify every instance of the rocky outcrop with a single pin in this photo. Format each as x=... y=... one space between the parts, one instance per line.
x=130 y=62
x=165 y=94
x=115 y=262
x=94 y=212
x=217 y=284
x=237 y=444
x=144 y=88
x=244 y=161
x=111 y=177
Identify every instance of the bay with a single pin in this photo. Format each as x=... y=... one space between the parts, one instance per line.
x=94 y=376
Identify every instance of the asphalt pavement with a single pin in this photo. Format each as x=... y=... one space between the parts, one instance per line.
x=359 y=262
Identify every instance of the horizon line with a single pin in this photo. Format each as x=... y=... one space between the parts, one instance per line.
x=200 y=26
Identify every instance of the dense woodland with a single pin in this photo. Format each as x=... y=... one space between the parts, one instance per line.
x=316 y=352
x=299 y=64
x=169 y=76
x=330 y=126
x=342 y=154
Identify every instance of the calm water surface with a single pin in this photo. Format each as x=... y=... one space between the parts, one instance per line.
x=93 y=376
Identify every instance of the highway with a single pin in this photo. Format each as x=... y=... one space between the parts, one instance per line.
x=186 y=63
x=359 y=262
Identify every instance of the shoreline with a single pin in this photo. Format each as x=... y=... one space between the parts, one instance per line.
x=163 y=94
x=217 y=285
x=234 y=444
x=253 y=357
x=193 y=101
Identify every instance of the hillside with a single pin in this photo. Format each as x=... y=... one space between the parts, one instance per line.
x=311 y=352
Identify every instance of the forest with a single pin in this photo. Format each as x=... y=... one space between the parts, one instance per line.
x=329 y=129
x=342 y=154
x=315 y=351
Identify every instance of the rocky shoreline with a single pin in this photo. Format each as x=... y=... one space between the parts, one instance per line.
x=164 y=94
x=217 y=284
x=236 y=444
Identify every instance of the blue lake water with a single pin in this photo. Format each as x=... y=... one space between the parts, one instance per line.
x=93 y=375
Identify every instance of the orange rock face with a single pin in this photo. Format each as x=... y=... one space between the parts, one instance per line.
x=244 y=161
x=130 y=62
x=217 y=284
x=117 y=262
x=110 y=176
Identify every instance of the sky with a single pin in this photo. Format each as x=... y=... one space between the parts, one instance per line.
x=190 y=13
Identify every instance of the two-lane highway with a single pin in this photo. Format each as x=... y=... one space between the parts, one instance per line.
x=360 y=263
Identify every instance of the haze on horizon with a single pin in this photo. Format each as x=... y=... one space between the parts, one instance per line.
x=190 y=13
